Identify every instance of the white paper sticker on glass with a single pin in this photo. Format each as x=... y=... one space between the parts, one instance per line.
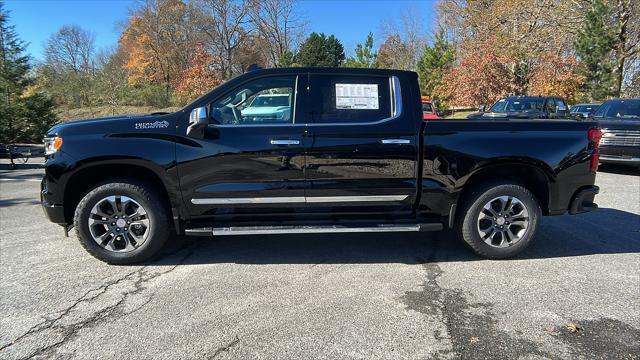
x=357 y=96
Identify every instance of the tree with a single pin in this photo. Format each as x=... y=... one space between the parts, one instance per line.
x=481 y=77
x=71 y=48
x=225 y=23
x=320 y=50
x=286 y=60
x=69 y=66
x=436 y=60
x=555 y=75
x=365 y=56
x=111 y=80
x=24 y=115
x=404 y=42
x=393 y=54
x=158 y=42
x=198 y=78
x=279 y=25
x=627 y=34
x=594 y=46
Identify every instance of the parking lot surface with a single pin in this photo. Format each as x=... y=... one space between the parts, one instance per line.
x=573 y=293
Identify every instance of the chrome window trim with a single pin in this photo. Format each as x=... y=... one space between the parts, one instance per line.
x=297 y=199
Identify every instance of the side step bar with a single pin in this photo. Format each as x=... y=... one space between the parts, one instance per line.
x=321 y=229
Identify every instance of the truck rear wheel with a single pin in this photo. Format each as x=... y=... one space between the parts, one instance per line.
x=122 y=222
x=498 y=220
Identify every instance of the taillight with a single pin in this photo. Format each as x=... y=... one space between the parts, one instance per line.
x=594 y=136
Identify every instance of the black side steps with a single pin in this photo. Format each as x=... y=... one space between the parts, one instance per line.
x=310 y=229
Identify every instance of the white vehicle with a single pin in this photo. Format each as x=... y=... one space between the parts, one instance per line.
x=268 y=107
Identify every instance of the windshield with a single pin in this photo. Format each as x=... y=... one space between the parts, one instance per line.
x=517 y=105
x=426 y=107
x=262 y=101
x=584 y=108
x=621 y=109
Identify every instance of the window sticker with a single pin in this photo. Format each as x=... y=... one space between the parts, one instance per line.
x=357 y=96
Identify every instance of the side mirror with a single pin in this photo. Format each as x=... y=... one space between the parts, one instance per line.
x=198 y=121
x=482 y=108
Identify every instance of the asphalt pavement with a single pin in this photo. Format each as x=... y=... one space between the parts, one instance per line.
x=573 y=294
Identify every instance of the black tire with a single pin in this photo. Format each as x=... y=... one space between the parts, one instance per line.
x=467 y=220
x=158 y=215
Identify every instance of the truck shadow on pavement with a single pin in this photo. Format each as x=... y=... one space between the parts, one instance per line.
x=605 y=231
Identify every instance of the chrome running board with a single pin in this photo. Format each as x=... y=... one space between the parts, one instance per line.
x=321 y=229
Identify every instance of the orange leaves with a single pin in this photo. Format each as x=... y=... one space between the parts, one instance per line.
x=198 y=78
x=481 y=77
x=556 y=75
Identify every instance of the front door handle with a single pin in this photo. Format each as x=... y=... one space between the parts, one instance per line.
x=285 y=142
x=395 y=141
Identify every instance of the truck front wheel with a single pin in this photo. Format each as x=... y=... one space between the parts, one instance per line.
x=122 y=222
x=498 y=220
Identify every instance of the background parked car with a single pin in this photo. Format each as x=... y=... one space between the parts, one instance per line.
x=620 y=122
x=525 y=107
x=428 y=110
x=583 y=111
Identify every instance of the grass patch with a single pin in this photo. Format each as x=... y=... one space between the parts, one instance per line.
x=460 y=114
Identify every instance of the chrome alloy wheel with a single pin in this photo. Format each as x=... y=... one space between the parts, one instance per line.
x=503 y=221
x=119 y=223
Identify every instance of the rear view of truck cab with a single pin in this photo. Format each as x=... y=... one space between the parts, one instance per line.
x=313 y=150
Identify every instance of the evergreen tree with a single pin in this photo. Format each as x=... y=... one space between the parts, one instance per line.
x=24 y=115
x=365 y=57
x=434 y=63
x=594 y=46
x=320 y=50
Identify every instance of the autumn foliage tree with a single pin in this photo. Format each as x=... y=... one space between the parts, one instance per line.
x=556 y=75
x=199 y=78
x=481 y=77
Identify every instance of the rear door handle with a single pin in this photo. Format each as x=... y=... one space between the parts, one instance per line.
x=285 y=142
x=395 y=141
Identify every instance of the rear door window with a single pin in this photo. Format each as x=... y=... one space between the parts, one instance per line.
x=349 y=99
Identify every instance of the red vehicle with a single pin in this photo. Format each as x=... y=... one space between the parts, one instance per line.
x=428 y=110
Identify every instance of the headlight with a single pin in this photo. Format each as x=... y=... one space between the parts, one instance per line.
x=52 y=144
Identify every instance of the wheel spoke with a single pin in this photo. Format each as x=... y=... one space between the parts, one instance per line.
x=111 y=244
x=501 y=238
x=510 y=236
x=488 y=208
x=508 y=205
x=487 y=233
x=128 y=245
x=94 y=221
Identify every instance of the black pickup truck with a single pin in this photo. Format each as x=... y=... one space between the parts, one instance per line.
x=313 y=150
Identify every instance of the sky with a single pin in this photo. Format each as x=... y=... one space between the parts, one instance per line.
x=350 y=21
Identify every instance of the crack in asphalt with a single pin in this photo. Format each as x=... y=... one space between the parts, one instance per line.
x=472 y=335
x=225 y=348
x=69 y=331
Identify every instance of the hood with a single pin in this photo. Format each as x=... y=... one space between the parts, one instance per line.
x=123 y=123
x=258 y=110
x=620 y=124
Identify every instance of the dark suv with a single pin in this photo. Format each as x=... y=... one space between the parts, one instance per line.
x=525 y=107
x=620 y=122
